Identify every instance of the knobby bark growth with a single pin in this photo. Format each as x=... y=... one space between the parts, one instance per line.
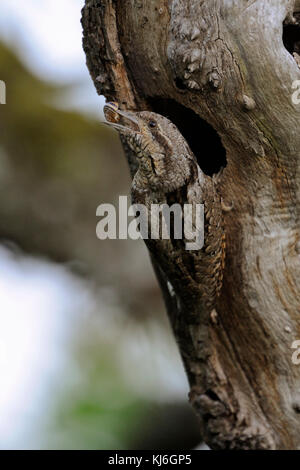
x=222 y=71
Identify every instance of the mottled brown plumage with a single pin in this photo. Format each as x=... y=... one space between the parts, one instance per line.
x=168 y=173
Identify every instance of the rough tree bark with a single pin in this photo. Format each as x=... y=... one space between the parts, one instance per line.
x=219 y=68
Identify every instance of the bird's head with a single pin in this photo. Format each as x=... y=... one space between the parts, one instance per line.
x=163 y=154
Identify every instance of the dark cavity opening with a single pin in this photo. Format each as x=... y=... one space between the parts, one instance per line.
x=291 y=36
x=203 y=140
x=212 y=395
x=180 y=84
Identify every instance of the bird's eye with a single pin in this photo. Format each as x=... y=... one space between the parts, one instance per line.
x=152 y=124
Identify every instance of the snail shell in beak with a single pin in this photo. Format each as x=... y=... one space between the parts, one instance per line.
x=110 y=112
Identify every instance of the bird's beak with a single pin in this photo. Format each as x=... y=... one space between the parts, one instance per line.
x=123 y=121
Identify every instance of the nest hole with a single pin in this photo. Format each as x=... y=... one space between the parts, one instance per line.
x=202 y=138
x=291 y=36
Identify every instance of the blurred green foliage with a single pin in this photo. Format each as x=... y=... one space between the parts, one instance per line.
x=99 y=412
x=44 y=139
x=56 y=167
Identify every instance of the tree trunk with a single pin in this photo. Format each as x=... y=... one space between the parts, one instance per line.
x=220 y=70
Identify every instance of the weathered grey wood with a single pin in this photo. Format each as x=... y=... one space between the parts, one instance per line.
x=225 y=60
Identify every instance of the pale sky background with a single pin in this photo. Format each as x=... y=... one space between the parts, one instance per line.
x=36 y=319
x=35 y=312
x=48 y=37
